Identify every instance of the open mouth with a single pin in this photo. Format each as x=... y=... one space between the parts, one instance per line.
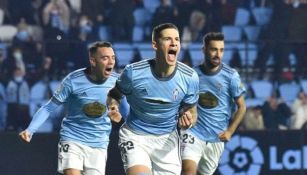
x=172 y=54
x=108 y=70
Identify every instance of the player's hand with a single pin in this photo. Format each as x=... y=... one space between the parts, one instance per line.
x=225 y=136
x=114 y=114
x=185 y=121
x=25 y=136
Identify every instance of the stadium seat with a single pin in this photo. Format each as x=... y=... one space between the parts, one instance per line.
x=124 y=53
x=103 y=33
x=138 y=34
x=262 y=15
x=262 y=89
x=151 y=5
x=196 y=53
x=242 y=17
x=303 y=84
x=248 y=53
x=141 y=16
x=7 y=32
x=252 y=32
x=232 y=33
x=289 y=91
x=228 y=54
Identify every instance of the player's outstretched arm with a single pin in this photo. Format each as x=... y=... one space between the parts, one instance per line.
x=25 y=135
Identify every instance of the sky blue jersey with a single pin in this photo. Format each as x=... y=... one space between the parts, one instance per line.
x=86 y=121
x=217 y=92
x=155 y=101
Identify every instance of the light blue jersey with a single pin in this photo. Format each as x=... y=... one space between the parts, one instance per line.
x=155 y=102
x=216 y=101
x=86 y=121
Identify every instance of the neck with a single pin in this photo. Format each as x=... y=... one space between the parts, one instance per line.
x=210 y=68
x=162 y=69
x=95 y=76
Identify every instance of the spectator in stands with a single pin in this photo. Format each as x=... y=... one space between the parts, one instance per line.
x=184 y=8
x=3 y=71
x=195 y=30
x=3 y=106
x=122 y=20
x=21 y=9
x=23 y=34
x=273 y=35
x=297 y=37
x=165 y=12
x=299 y=109
x=56 y=15
x=95 y=10
x=276 y=113
x=18 y=97
x=253 y=119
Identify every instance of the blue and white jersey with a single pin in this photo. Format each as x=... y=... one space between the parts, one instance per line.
x=87 y=121
x=155 y=101
x=217 y=92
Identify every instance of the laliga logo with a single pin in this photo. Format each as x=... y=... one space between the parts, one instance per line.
x=241 y=156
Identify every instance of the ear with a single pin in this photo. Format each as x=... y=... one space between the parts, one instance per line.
x=203 y=49
x=154 y=45
x=92 y=61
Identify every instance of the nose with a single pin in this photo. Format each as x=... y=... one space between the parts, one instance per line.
x=111 y=60
x=174 y=42
x=219 y=53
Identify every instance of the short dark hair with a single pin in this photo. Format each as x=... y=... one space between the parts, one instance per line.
x=156 y=33
x=217 y=36
x=94 y=46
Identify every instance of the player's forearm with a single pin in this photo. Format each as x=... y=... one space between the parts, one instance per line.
x=237 y=118
x=193 y=111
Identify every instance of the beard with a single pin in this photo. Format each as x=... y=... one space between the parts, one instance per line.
x=209 y=64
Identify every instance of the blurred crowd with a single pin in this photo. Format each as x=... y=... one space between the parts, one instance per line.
x=52 y=36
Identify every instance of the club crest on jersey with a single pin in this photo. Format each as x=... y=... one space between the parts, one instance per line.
x=175 y=94
x=94 y=110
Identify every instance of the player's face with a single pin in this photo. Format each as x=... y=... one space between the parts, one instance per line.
x=214 y=53
x=103 y=62
x=168 y=46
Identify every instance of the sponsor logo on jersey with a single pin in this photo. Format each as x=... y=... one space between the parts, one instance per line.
x=207 y=100
x=94 y=110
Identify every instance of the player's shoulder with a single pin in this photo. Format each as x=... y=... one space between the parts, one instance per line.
x=228 y=70
x=76 y=74
x=140 y=64
x=185 y=69
x=114 y=75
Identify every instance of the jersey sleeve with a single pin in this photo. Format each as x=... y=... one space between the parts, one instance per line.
x=192 y=95
x=64 y=91
x=124 y=82
x=42 y=115
x=236 y=87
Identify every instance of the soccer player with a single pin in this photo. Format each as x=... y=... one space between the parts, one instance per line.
x=84 y=134
x=220 y=91
x=156 y=89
